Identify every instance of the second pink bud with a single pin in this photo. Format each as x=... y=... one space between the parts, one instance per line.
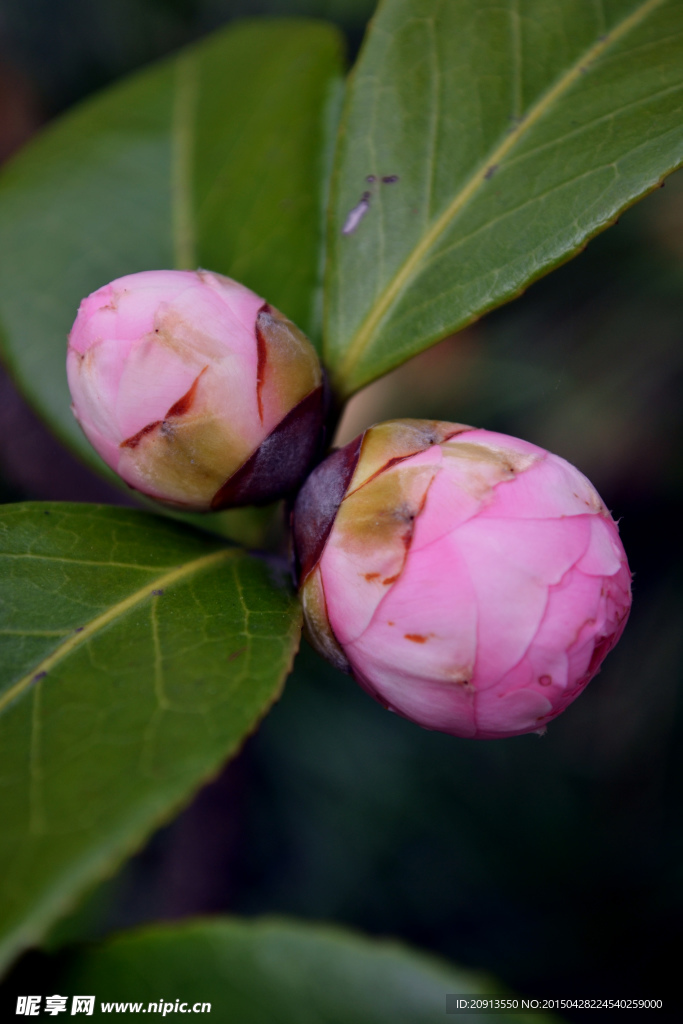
x=194 y=390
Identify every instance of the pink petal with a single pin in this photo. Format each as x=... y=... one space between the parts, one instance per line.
x=548 y=489
x=353 y=589
x=449 y=503
x=435 y=635
x=511 y=714
x=512 y=563
x=605 y=553
x=573 y=606
x=491 y=438
x=434 y=705
x=136 y=299
x=153 y=379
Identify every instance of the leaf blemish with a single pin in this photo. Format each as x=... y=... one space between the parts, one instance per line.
x=39 y=676
x=490 y=171
x=157 y=593
x=390 y=179
x=356 y=215
x=236 y=654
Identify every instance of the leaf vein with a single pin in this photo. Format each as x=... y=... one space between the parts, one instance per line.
x=81 y=561
x=111 y=615
x=36 y=807
x=604 y=118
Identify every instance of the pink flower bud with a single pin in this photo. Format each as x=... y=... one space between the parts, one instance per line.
x=195 y=390
x=470 y=581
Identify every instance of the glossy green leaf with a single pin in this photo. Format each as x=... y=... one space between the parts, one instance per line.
x=275 y=972
x=213 y=158
x=515 y=131
x=136 y=657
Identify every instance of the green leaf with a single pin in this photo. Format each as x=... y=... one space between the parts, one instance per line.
x=275 y=972
x=213 y=158
x=516 y=130
x=136 y=657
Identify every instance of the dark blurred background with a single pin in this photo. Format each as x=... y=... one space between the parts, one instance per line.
x=554 y=863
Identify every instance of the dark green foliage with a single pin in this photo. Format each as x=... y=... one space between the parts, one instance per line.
x=136 y=656
x=516 y=131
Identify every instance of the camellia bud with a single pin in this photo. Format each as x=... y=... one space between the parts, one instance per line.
x=195 y=390
x=470 y=581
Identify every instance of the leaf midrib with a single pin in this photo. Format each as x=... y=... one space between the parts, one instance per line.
x=410 y=267
x=117 y=610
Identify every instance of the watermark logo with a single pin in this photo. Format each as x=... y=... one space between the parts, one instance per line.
x=55 y=1005
x=30 y=1006
x=83 y=1004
